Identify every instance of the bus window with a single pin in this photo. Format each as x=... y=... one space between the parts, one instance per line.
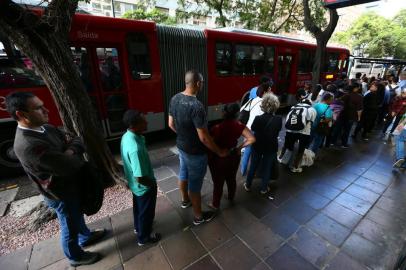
x=306 y=61
x=258 y=59
x=223 y=59
x=269 y=64
x=116 y=106
x=109 y=69
x=243 y=60
x=81 y=59
x=138 y=56
x=331 y=62
x=17 y=71
x=284 y=66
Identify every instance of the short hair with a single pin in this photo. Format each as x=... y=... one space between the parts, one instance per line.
x=192 y=77
x=300 y=94
x=270 y=103
x=131 y=118
x=231 y=110
x=358 y=75
x=17 y=101
x=327 y=96
x=264 y=79
x=262 y=89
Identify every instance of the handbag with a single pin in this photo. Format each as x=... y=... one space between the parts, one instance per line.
x=323 y=127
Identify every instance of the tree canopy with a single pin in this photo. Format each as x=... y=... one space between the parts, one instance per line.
x=376 y=36
x=151 y=15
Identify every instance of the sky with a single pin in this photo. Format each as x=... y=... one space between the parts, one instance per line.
x=386 y=8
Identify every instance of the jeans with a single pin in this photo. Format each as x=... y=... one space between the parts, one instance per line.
x=317 y=141
x=245 y=159
x=400 y=144
x=144 y=214
x=267 y=167
x=74 y=231
x=192 y=169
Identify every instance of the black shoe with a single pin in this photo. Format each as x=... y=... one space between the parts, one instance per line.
x=153 y=238
x=87 y=258
x=185 y=204
x=95 y=236
x=206 y=217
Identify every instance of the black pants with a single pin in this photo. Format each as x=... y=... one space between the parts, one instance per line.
x=144 y=213
x=367 y=123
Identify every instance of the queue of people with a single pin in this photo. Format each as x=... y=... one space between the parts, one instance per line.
x=319 y=119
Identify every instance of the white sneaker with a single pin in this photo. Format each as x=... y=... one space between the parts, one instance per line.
x=247 y=189
x=398 y=163
x=296 y=170
x=279 y=159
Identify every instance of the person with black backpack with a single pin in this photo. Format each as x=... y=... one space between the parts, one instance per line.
x=298 y=127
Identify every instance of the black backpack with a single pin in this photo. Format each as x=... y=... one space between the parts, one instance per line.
x=296 y=119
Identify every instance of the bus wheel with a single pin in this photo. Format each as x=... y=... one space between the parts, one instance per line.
x=9 y=163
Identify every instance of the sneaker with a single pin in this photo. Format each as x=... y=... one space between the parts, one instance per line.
x=185 y=204
x=344 y=146
x=153 y=238
x=206 y=217
x=95 y=236
x=135 y=232
x=398 y=163
x=279 y=159
x=264 y=192
x=87 y=258
x=296 y=170
x=247 y=189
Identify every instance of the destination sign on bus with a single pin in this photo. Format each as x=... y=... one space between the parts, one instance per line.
x=344 y=3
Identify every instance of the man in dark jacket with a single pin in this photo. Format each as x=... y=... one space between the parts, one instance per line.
x=53 y=162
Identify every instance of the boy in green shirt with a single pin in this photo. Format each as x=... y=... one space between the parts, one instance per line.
x=140 y=176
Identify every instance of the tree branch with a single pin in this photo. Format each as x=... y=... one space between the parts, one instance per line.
x=308 y=22
x=59 y=14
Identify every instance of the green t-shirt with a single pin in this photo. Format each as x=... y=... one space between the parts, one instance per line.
x=135 y=161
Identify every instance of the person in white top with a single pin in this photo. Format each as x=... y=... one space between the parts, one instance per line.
x=302 y=135
x=254 y=107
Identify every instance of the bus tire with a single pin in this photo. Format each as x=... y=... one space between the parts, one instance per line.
x=9 y=164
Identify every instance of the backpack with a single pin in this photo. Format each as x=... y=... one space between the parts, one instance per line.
x=296 y=118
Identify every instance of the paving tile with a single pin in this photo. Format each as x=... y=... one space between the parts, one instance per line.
x=298 y=210
x=237 y=218
x=212 y=234
x=8 y=195
x=286 y=258
x=163 y=205
x=342 y=215
x=261 y=266
x=342 y=261
x=281 y=223
x=3 y=209
x=395 y=194
x=312 y=247
x=234 y=255
x=314 y=200
x=329 y=229
x=17 y=260
x=168 y=184
x=207 y=263
x=353 y=203
x=187 y=245
x=378 y=234
x=351 y=172
x=327 y=191
x=258 y=206
x=169 y=223
x=365 y=251
x=45 y=253
x=107 y=248
x=280 y=196
x=392 y=207
x=261 y=239
x=152 y=258
x=390 y=222
x=378 y=177
x=59 y=265
x=362 y=193
x=163 y=173
x=371 y=185
x=338 y=183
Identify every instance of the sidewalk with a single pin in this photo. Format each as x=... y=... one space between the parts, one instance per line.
x=346 y=212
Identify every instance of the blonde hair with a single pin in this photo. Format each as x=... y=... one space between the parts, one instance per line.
x=270 y=103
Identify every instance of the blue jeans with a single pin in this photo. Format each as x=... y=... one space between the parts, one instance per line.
x=192 y=169
x=144 y=213
x=74 y=231
x=267 y=167
x=245 y=159
x=400 y=144
x=317 y=141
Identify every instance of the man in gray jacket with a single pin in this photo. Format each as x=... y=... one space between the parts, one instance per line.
x=53 y=162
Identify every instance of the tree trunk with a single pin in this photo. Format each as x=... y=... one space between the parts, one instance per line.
x=49 y=51
x=319 y=61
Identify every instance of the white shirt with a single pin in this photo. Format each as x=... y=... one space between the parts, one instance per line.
x=255 y=110
x=310 y=117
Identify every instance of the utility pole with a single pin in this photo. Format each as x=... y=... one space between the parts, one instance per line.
x=112 y=5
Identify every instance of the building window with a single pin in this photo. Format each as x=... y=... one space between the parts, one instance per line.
x=223 y=59
x=96 y=6
x=138 y=56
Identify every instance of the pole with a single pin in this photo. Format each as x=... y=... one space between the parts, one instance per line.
x=114 y=12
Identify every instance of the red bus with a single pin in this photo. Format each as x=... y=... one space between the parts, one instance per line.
x=137 y=64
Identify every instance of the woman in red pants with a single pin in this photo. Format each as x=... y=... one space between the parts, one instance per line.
x=224 y=169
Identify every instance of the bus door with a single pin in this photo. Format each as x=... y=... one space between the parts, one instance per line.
x=101 y=75
x=284 y=77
